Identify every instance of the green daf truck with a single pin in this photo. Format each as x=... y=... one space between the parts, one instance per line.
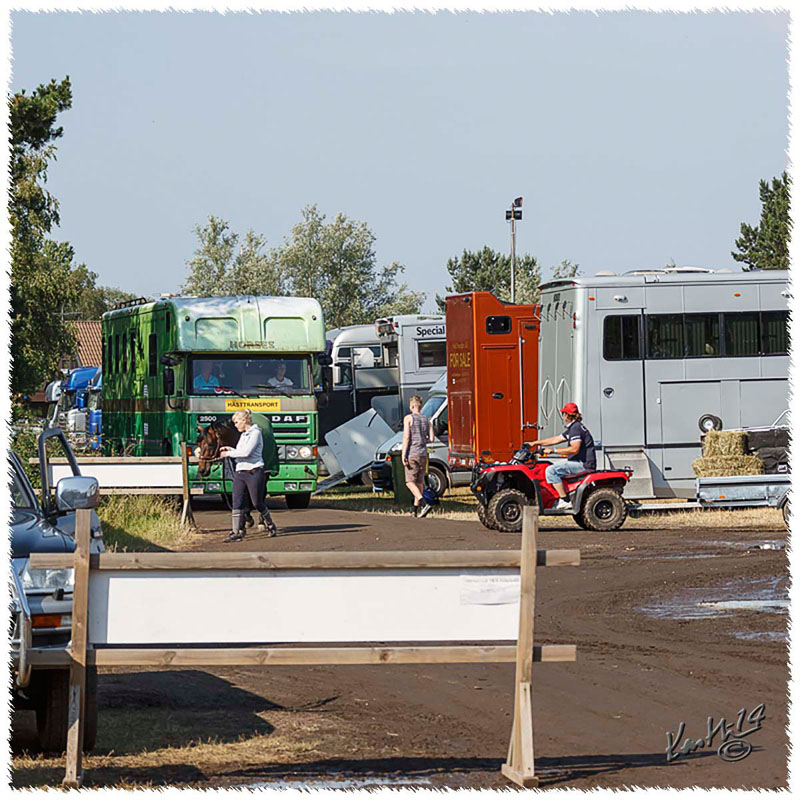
x=177 y=363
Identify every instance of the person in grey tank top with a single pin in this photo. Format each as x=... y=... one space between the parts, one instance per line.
x=417 y=432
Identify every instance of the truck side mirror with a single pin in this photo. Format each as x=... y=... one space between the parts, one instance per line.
x=169 y=381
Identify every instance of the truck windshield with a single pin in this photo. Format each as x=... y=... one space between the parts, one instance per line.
x=254 y=376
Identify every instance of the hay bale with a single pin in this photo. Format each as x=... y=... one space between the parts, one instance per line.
x=724 y=443
x=725 y=466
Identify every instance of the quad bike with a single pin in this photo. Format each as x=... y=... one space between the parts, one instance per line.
x=503 y=489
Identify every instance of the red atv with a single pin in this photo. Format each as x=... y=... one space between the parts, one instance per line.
x=503 y=489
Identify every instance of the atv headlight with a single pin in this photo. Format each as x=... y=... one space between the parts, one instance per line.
x=48 y=579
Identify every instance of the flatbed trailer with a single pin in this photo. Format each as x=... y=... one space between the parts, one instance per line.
x=740 y=491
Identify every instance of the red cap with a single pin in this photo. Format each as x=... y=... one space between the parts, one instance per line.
x=570 y=408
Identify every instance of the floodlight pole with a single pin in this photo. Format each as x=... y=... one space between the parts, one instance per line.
x=514 y=213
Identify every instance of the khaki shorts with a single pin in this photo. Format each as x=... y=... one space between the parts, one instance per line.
x=415 y=471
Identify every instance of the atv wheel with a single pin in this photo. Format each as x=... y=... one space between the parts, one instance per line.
x=505 y=510
x=483 y=517
x=579 y=520
x=603 y=510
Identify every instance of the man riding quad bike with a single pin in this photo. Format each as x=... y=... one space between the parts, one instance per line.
x=592 y=497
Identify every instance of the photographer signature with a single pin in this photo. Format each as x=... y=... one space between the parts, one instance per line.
x=733 y=747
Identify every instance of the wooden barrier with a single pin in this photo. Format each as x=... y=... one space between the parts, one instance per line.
x=477 y=593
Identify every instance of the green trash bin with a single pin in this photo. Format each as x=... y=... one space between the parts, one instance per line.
x=402 y=494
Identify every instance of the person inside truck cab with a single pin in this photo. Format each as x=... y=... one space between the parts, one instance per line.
x=205 y=381
x=280 y=379
x=579 y=452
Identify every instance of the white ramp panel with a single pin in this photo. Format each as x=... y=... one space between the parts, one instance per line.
x=126 y=476
x=149 y=607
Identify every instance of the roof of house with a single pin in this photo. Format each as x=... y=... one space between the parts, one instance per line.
x=90 y=338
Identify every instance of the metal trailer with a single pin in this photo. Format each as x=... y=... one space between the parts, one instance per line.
x=652 y=358
x=739 y=491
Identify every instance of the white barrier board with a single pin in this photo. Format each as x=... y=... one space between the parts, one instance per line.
x=149 y=607
x=126 y=476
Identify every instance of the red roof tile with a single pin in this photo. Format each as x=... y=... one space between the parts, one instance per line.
x=90 y=347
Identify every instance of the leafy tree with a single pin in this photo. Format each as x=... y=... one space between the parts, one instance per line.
x=93 y=300
x=335 y=263
x=218 y=268
x=766 y=246
x=489 y=271
x=566 y=269
x=41 y=285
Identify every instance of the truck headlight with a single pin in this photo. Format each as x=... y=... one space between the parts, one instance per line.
x=291 y=452
x=48 y=579
x=305 y=452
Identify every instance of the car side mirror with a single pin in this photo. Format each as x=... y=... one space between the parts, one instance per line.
x=77 y=491
x=169 y=381
x=324 y=360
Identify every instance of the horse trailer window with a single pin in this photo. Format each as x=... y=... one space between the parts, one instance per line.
x=775 y=333
x=152 y=354
x=665 y=336
x=702 y=335
x=498 y=324
x=431 y=354
x=116 y=353
x=742 y=334
x=133 y=353
x=621 y=338
x=124 y=352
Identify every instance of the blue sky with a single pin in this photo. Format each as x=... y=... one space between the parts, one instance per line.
x=634 y=137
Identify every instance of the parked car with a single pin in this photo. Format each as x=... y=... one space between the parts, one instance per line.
x=42 y=598
x=440 y=477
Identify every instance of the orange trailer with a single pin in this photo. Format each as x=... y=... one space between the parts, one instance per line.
x=492 y=377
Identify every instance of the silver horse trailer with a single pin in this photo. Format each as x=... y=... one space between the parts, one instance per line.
x=654 y=358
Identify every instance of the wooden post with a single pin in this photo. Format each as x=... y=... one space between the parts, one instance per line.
x=77 y=673
x=519 y=764
x=187 y=516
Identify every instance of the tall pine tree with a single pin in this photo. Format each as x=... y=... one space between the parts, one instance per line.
x=766 y=246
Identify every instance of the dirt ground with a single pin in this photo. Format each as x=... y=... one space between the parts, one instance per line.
x=659 y=644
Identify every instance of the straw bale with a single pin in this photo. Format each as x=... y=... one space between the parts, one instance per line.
x=725 y=443
x=723 y=466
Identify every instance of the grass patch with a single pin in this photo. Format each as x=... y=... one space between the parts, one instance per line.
x=141 y=523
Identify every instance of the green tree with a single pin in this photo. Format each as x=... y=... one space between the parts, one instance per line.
x=335 y=263
x=41 y=285
x=92 y=300
x=766 y=246
x=489 y=271
x=566 y=269
x=223 y=267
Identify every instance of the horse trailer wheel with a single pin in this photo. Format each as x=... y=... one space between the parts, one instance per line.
x=483 y=517
x=785 y=512
x=299 y=500
x=505 y=510
x=437 y=481
x=604 y=510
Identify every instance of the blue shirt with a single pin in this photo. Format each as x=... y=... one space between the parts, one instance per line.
x=201 y=383
x=577 y=431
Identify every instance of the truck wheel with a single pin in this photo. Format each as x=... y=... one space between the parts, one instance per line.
x=483 y=517
x=604 y=510
x=505 y=510
x=437 y=481
x=52 y=710
x=299 y=500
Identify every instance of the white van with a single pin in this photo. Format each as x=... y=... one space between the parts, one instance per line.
x=440 y=477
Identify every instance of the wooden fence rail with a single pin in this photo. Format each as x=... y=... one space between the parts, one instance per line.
x=487 y=597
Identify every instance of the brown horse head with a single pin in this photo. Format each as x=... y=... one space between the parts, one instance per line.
x=210 y=441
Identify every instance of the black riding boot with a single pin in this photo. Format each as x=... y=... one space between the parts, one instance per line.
x=266 y=524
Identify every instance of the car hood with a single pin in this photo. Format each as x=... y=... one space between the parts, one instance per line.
x=31 y=534
x=389 y=443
